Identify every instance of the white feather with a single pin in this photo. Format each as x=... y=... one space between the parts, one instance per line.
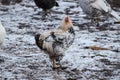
x=101 y=5
x=113 y=13
x=2 y=33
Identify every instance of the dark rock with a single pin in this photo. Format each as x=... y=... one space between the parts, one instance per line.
x=1 y=60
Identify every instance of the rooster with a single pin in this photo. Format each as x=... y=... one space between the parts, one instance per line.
x=95 y=8
x=56 y=41
x=46 y=4
x=2 y=33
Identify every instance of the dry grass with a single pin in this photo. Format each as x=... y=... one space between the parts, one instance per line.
x=96 y=48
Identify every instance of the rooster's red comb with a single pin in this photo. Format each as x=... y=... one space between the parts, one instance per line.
x=66 y=19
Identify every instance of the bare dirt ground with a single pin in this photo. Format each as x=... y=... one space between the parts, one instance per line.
x=94 y=55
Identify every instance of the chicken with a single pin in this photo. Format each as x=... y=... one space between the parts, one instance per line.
x=56 y=41
x=5 y=2
x=8 y=2
x=46 y=4
x=2 y=33
x=95 y=8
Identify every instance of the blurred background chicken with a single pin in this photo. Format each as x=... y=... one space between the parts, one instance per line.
x=56 y=41
x=46 y=5
x=114 y=3
x=2 y=33
x=95 y=8
x=8 y=2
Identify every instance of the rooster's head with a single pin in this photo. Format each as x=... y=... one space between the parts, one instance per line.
x=66 y=23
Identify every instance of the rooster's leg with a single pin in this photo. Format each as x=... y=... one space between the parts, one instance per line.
x=54 y=63
x=97 y=22
x=45 y=14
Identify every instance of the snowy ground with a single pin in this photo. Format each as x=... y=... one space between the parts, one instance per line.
x=94 y=55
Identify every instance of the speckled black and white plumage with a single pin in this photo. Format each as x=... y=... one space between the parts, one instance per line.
x=95 y=8
x=56 y=41
x=61 y=42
